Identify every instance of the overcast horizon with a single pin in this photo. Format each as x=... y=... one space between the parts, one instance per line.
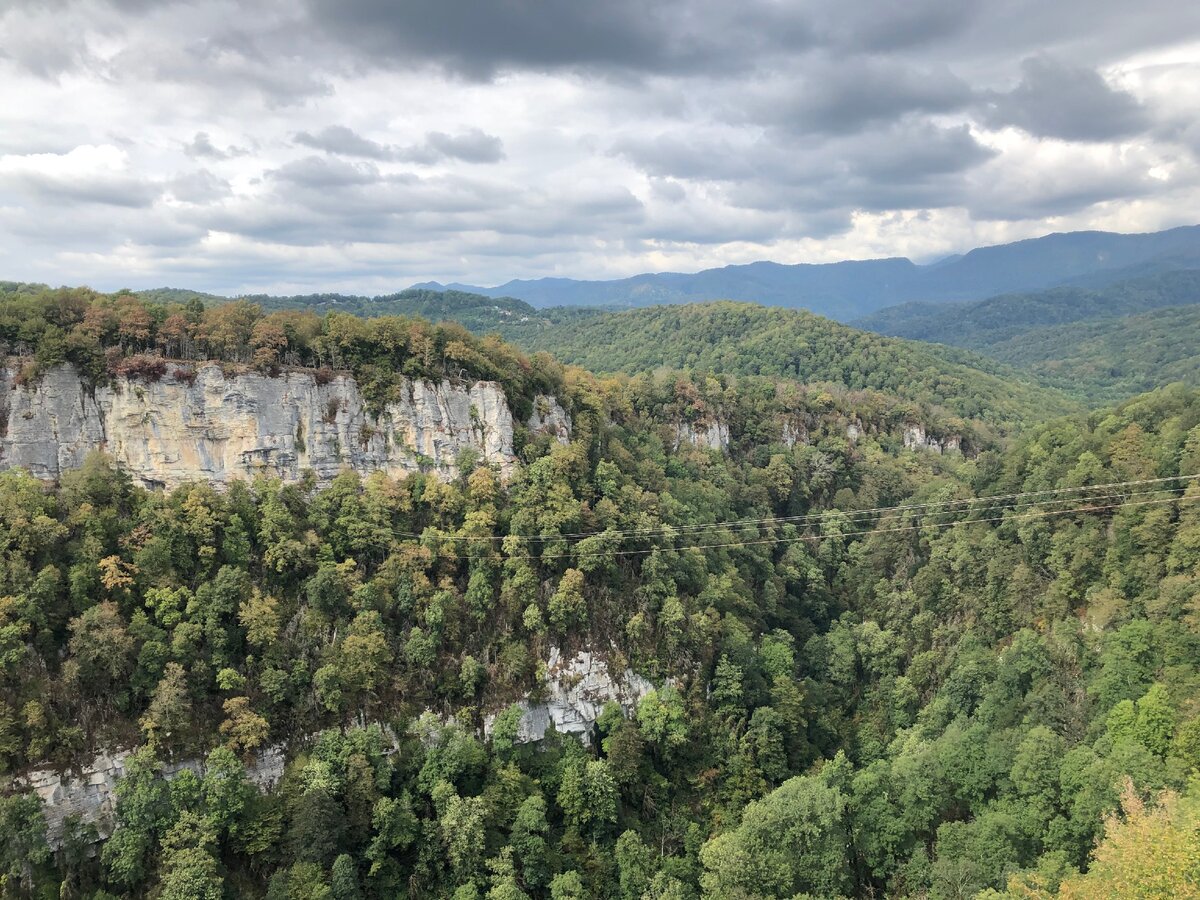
x=351 y=146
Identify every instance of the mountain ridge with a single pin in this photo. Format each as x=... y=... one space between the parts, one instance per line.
x=850 y=288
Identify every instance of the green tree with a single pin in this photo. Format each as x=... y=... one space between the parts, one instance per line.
x=791 y=842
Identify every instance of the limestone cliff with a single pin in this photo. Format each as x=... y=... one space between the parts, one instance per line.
x=713 y=435
x=199 y=424
x=573 y=695
x=88 y=793
x=916 y=438
x=575 y=692
x=548 y=417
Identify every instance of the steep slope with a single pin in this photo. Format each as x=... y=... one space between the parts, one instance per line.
x=742 y=338
x=922 y=701
x=982 y=324
x=203 y=422
x=1097 y=345
x=1111 y=359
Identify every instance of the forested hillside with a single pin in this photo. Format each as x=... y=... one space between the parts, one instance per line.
x=1109 y=360
x=743 y=338
x=473 y=311
x=1099 y=346
x=981 y=325
x=871 y=671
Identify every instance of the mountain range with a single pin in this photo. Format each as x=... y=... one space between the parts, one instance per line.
x=854 y=288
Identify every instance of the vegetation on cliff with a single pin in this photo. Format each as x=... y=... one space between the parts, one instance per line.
x=743 y=338
x=122 y=334
x=931 y=704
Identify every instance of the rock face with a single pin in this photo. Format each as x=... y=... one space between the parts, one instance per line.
x=712 y=435
x=208 y=427
x=576 y=691
x=915 y=438
x=89 y=794
x=548 y=417
x=794 y=433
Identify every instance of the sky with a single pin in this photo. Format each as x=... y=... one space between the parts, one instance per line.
x=363 y=145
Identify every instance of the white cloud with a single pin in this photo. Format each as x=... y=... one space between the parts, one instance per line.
x=234 y=146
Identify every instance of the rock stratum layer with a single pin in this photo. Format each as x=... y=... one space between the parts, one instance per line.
x=201 y=425
x=89 y=795
x=576 y=690
x=573 y=696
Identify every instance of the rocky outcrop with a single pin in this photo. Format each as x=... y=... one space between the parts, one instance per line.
x=916 y=438
x=199 y=424
x=794 y=433
x=548 y=417
x=713 y=435
x=574 y=694
x=576 y=691
x=88 y=794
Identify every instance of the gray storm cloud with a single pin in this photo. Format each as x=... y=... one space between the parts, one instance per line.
x=362 y=144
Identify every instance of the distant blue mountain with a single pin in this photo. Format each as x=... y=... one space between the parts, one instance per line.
x=848 y=290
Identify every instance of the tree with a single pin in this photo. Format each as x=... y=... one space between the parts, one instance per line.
x=662 y=718
x=634 y=864
x=101 y=647
x=1155 y=725
x=567 y=886
x=395 y=828
x=227 y=793
x=344 y=879
x=244 y=729
x=189 y=869
x=259 y=615
x=567 y=605
x=793 y=841
x=170 y=708
x=144 y=811
x=23 y=844
x=528 y=840
x=462 y=825
x=1187 y=744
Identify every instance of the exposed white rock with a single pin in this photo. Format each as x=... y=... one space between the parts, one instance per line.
x=549 y=417
x=576 y=691
x=794 y=433
x=853 y=431
x=89 y=794
x=212 y=428
x=916 y=438
x=712 y=435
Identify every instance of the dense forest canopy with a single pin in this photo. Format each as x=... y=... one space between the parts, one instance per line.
x=1098 y=345
x=1111 y=359
x=744 y=338
x=868 y=678
x=979 y=324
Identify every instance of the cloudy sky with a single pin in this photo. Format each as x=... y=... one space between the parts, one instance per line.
x=362 y=145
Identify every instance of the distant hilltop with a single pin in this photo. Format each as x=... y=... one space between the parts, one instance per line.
x=847 y=290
